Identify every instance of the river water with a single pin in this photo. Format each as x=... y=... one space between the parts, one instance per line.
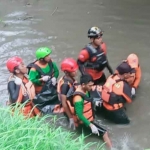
x=62 y=25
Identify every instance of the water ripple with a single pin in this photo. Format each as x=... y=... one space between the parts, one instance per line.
x=16 y=13
x=20 y=42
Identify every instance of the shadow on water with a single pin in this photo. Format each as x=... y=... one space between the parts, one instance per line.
x=62 y=25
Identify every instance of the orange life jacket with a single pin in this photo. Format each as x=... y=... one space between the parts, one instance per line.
x=71 y=83
x=26 y=92
x=87 y=111
x=138 y=76
x=135 y=78
x=72 y=86
x=112 y=93
x=63 y=80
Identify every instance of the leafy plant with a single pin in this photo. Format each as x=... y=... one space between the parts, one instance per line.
x=20 y=133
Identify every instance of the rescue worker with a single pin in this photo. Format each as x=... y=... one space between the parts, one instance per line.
x=115 y=93
x=134 y=78
x=20 y=89
x=83 y=111
x=69 y=67
x=92 y=59
x=43 y=69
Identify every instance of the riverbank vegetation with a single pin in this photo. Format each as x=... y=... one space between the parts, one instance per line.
x=19 y=133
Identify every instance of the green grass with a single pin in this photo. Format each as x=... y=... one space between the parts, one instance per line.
x=17 y=133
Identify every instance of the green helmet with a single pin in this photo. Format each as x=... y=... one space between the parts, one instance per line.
x=42 y=52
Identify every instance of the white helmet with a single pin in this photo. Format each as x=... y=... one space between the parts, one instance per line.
x=94 y=32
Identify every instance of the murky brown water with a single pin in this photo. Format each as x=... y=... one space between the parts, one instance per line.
x=127 y=29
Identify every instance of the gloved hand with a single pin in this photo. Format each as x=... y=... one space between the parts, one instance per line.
x=72 y=124
x=53 y=81
x=18 y=81
x=94 y=129
x=133 y=91
x=98 y=103
x=45 y=78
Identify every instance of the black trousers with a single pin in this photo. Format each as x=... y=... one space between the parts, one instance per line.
x=117 y=116
x=87 y=130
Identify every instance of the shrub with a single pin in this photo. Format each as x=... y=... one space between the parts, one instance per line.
x=18 y=133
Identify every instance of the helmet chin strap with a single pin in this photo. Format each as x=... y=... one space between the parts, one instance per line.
x=68 y=75
x=42 y=61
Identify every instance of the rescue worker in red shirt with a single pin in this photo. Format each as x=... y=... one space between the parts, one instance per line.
x=20 y=88
x=92 y=59
x=134 y=78
x=69 y=67
x=82 y=109
x=115 y=93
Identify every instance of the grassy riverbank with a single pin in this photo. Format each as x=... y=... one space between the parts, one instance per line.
x=17 y=133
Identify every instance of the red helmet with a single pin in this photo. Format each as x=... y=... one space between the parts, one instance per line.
x=69 y=64
x=13 y=62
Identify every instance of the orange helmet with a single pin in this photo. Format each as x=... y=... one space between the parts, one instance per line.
x=133 y=60
x=69 y=64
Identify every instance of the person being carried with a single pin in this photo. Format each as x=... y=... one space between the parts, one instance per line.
x=93 y=59
x=20 y=89
x=69 y=67
x=43 y=69
x=134 y=78
x=115 y=93
x=82 y=109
